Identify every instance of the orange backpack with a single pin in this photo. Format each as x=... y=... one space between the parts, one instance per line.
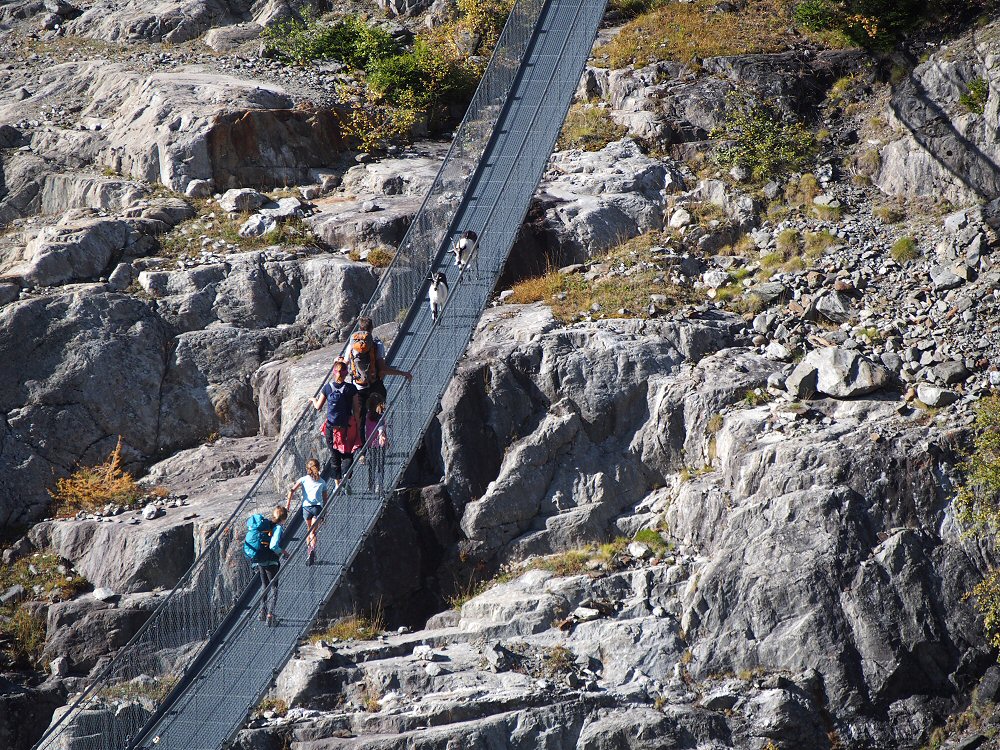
x=362 y=359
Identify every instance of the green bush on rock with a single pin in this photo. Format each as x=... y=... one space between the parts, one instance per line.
x=349 y=40
x=398 y=86
x=756 y=136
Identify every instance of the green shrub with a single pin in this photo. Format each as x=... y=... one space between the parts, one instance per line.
x=23 y=637
x=815 y=15
x=758 y=138
x=429 y=76
x=975 y=96
x=787 y=242
x=866 y=23
x=557 y=662
x=349 y=40
x=904 y=250
x=22 y=630
x=652 y=539
x=372 y=121
x=400 y=85
x=987 y=601
x=485 y=18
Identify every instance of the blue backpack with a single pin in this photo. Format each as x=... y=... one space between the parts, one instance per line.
x=257 y=545
x=339 y=403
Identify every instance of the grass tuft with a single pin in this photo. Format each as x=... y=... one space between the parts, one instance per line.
x=218 y=226
x=904 y=250
x=353 y=628
x=975 y=95
x=277 y=706
x=889 y=214
x=142 y=688
x=817 y=243
x=380 y=257
x=689 y=31
x=588 y=128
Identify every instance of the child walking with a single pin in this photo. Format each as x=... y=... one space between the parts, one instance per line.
x=377 y=440
x=313 y=499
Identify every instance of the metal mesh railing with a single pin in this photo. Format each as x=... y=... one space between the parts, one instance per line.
x=189 y=677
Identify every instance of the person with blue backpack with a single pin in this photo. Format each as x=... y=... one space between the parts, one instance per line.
x=343 y=418
x=263 y=549
x=313 y=498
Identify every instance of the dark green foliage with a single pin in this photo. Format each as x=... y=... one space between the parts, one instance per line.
x=978 y=501
x=878 y=24
x=759 y=138
x=816 y=15
x=426 y=76
x=977 y=505
x=349 y=40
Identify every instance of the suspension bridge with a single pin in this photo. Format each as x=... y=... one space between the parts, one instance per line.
x=191 y=676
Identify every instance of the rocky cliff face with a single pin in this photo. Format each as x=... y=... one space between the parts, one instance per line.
x=720 y=523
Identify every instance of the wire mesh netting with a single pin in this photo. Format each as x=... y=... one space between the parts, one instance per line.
x=189 y=678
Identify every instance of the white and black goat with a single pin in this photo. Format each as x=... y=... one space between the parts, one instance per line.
x=465 y=247
x=437 y=294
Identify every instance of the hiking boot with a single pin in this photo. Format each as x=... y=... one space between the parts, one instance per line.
x=311 y=557
x=263 y=615
x=272 y=621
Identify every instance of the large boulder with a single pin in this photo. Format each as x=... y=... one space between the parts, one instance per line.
x=170 y=127
x=664 y=104
x=824 y=538
x=534 y=403
x=73 y=250
x=364 y=223
x=841 y=373
x=206 y=388
x=270 y=144
x=323 y=294
x=157 y=22
x=77 y=370
x=85 y=629
x=122 y=558
x=594 y=199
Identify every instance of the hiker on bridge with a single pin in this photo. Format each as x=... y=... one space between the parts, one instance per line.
x=262 y=547
x=313 y=499
x=366 y=357
x=343 y=419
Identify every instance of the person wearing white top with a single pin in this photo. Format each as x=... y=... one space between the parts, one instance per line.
x=314 y=495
